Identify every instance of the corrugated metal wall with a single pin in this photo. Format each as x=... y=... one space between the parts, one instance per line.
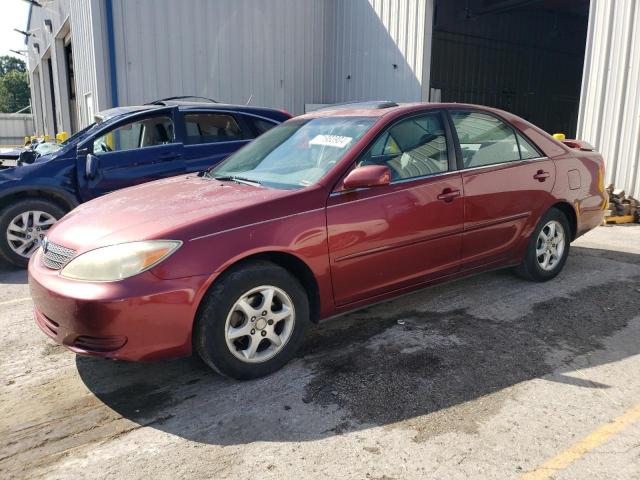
x=230 y=51
x=89 y=58
x=82 y=17
x=376 y=49
x=610 y=103
x=281 y=53
x=14 y=127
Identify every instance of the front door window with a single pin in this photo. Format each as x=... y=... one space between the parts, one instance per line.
x=148 y=132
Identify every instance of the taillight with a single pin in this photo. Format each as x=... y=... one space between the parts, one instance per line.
x=601 y=176
x=605 y=195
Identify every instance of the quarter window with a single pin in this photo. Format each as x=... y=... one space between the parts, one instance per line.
x=211 y=128
x=149 y=132
x=412 y=148
x=485 y=140
x=527 y=151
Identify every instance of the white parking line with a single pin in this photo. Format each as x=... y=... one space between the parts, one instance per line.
x=17 y=300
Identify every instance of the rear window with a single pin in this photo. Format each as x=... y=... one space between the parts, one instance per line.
x=211 y=128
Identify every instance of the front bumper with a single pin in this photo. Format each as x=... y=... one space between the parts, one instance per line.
x=139 y=318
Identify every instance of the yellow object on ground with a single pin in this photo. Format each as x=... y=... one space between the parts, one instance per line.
x=61 y=136
x=620 y=219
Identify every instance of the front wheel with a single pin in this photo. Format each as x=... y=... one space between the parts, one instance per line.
x=23 y=225
x=548 y=248
x=252 y=321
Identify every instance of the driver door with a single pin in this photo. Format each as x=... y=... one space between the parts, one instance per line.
x=390 y=237
x=132 y=152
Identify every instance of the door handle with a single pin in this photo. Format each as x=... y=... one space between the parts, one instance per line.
x=541 y=175
x=448 y=195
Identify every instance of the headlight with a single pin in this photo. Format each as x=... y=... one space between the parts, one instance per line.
x=120 y=261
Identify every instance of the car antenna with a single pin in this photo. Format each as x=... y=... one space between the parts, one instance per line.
x=249 y=101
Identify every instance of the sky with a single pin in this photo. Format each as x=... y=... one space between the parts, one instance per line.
x=13 y=15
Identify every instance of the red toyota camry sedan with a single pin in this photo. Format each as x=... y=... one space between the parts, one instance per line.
x=326 y=213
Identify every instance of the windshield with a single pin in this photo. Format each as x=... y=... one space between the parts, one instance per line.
x=45 y=148
x=295 y=154
x=77 y=134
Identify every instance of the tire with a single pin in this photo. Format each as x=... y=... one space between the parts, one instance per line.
x=39 y=211
x=222 y=316
x=533 y=265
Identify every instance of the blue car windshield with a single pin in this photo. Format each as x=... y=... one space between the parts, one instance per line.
x=296 y=154
x=77 y=134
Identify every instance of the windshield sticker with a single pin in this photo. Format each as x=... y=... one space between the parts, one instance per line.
x=337 y=141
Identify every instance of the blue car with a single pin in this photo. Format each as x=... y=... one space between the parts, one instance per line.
x=126 y=146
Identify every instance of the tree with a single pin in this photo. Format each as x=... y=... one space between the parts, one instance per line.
x=14 y=84
x=14 y=91
x=9 y=64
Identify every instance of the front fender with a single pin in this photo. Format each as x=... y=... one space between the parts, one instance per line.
x=44 y=188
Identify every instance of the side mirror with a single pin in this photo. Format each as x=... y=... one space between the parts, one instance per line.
x=368 y=176
x=27 y=156
x=91 y=166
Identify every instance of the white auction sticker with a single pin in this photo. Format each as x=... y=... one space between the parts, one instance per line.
x=337 y=141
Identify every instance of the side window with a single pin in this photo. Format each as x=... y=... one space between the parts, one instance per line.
x=211 y=128
x=259 y=125
x=148 y=132
x=484 y=140
x=414 y=147
x=527 y=151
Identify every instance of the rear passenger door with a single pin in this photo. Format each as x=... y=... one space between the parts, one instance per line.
x=506 y=181
x=210 y=137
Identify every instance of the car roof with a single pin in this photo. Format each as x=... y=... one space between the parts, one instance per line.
x=384 y=108
x=111 y=113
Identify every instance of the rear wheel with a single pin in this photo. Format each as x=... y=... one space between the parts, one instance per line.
x=548 y=248
x=23 y=225
x=252 y=321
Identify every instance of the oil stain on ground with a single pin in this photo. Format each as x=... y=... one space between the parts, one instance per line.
x=381 y=371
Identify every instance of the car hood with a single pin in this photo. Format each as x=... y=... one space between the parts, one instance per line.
x=178 y=208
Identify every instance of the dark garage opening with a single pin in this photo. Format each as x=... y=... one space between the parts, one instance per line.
x=525 y=57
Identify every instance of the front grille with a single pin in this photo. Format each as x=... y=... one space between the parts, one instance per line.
x=56 y=256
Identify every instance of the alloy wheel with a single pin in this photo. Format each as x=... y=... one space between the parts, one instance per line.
x=550 y=245
x=260 y=324
x=27 y=230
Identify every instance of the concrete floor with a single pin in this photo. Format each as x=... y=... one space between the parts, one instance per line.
x=486 y=377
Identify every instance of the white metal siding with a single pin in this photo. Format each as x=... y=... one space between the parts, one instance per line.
x=377 y=49
x=229 y=51
x=610 y=104
x=14 y=127
x=84 y=17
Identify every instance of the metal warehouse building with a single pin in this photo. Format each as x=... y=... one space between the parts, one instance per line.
x=567 y=65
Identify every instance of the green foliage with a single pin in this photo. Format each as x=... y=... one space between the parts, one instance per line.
x=14 y=84
x=9 y=64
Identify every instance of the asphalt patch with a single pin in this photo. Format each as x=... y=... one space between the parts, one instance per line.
x=381 y=371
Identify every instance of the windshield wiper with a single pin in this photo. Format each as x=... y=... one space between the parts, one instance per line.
x=237 y=179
